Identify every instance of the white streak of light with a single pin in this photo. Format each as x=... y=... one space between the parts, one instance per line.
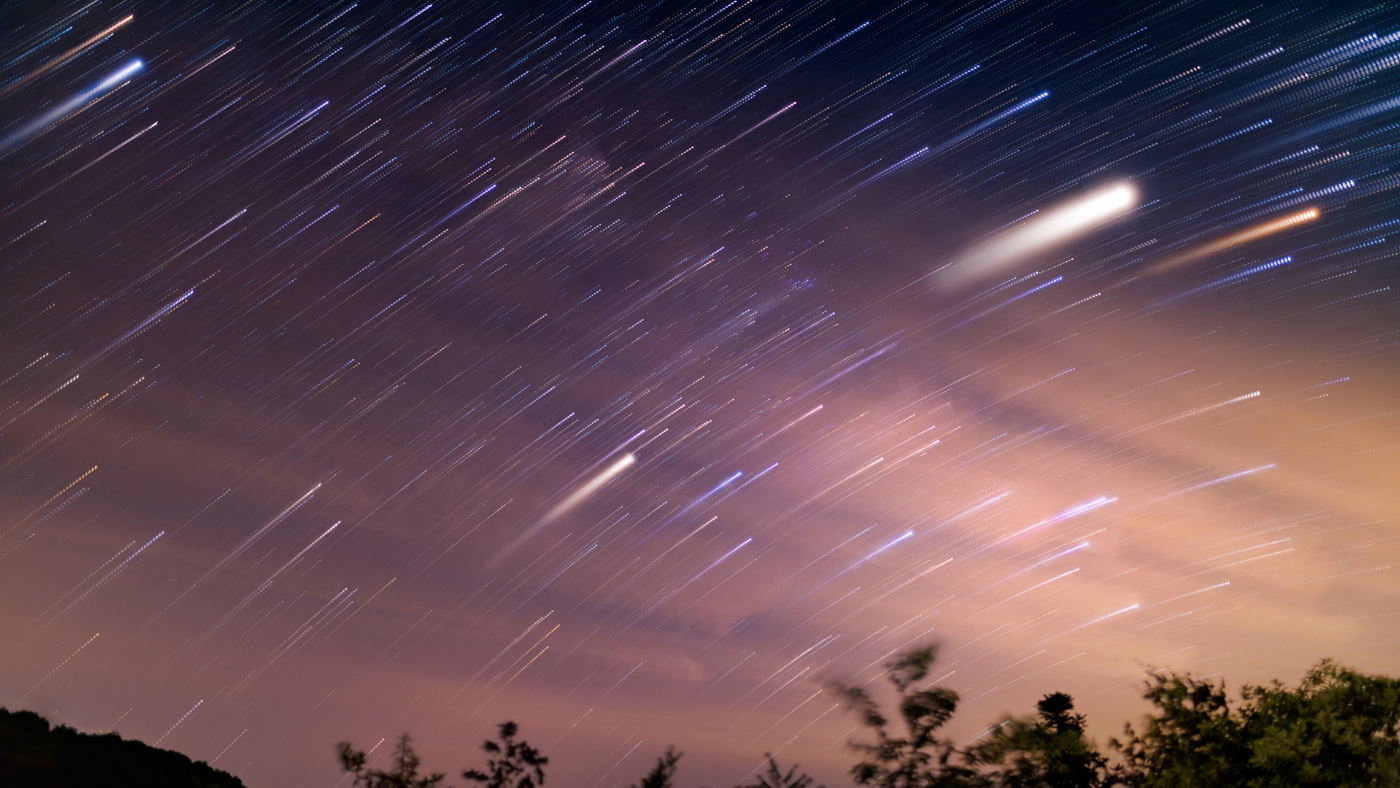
x=1048 y=229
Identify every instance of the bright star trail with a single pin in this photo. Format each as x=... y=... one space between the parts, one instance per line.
x=627 y=371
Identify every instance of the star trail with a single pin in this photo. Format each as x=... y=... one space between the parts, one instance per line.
x=629 y=370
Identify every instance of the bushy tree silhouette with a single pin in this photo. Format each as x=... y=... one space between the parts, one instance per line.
x=519 y=764
x=1193 y=736
x=918 y=758
x=1339 y=728
x=1045 y=751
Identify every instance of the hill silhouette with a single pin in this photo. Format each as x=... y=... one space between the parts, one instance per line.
x=34 y=754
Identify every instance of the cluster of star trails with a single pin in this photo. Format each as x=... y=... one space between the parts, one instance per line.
x=630 y=371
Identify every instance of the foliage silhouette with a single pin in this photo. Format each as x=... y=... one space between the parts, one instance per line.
x=404 y=773
x=661 y=774
x=774 y=777
x=1045 y=751
x=1338 y=728
x=35 y=755
x=519 y=764
x=918 y=758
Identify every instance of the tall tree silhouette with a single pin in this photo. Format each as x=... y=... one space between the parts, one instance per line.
x=918 y=757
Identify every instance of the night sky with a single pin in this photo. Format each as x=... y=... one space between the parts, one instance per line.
x=629 y=370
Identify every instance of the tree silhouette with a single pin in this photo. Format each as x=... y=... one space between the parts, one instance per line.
x=774 y=777
x=1193 y=736
x=403 y=774
x=1338 y=728
x=661 y=774
x=1046 y=751
x=919 y=758
x=519 y=764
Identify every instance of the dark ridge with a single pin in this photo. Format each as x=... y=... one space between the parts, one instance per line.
x=34 y=754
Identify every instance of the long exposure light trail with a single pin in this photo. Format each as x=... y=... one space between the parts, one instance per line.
x=631 y=372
